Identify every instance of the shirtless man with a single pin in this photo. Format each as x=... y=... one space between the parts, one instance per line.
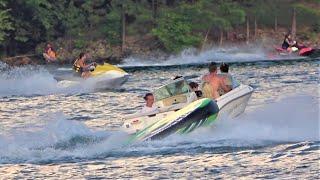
x=215 y=81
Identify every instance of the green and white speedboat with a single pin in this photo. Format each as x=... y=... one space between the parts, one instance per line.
x=179 y=110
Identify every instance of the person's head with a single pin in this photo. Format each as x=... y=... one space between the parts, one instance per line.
x=288 y=36
x=194 y=86
x=224 y=68
x=149 y=98
x=82 y=55
x=213 y=67
x=49 y=45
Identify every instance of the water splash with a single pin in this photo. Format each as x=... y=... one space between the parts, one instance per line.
x=191 y=56
x=36 y=80
x=55 y=139
x=29 y=80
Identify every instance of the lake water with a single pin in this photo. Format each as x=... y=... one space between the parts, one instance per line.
x=61 y=133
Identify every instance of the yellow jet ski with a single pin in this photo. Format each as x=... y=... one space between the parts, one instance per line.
x=103 y=76
x=107 y=68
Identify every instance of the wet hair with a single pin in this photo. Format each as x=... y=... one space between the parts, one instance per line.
x=212 y=67
x=81 y=55
x=224 y=68
x=193 y=84
x=146 y=96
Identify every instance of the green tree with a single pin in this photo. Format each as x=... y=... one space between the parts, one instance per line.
x=5 y=21
x=175 y=32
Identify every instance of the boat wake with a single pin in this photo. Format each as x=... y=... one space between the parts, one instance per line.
x=192 y=57
x=36 y=80
x=56 y=139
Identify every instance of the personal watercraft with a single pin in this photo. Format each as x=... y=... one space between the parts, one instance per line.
x=105 y=76
x=181 y=111
x=298 y=51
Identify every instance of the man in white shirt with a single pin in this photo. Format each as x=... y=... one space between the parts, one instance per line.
x=150 y=106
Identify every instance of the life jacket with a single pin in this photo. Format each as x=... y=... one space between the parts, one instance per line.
x=285 y=43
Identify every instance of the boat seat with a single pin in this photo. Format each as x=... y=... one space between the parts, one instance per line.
x=175 y=100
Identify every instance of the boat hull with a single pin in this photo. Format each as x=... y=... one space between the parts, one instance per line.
x=199 y=113
x=235 y=102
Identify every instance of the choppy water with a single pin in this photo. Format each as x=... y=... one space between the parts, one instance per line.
x=53 y=132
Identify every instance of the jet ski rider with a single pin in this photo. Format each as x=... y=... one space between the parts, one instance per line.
x=81 y=67
x=289 y=44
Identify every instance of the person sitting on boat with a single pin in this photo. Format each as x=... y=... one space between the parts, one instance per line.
x=228 y=79
x=195 y=88
x=150 y=107
x=289 y=44
x=49 y=54
x=81 y=67
x=212 y=83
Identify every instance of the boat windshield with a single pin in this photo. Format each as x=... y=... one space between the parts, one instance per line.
x=173 y=89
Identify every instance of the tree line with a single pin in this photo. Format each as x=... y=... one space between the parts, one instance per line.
x=176 y=24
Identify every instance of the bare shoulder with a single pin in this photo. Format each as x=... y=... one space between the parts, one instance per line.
x=205 y=77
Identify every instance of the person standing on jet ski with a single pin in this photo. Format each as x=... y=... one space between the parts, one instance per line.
x=81 y=67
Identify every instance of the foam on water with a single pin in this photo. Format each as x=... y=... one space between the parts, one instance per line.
x=36 y=80
x=26 y=81
x=57 y=139
x=191 y=56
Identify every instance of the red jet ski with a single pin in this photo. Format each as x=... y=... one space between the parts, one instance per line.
x=302 y=51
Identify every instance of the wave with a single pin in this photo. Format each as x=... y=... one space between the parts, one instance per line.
x=57 y=139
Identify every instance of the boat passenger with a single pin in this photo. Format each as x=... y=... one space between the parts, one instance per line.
x=81 y=67
x=228 y=79
x=49 y=54
x=150 y=106
x=213 y=82
x=195 y=88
